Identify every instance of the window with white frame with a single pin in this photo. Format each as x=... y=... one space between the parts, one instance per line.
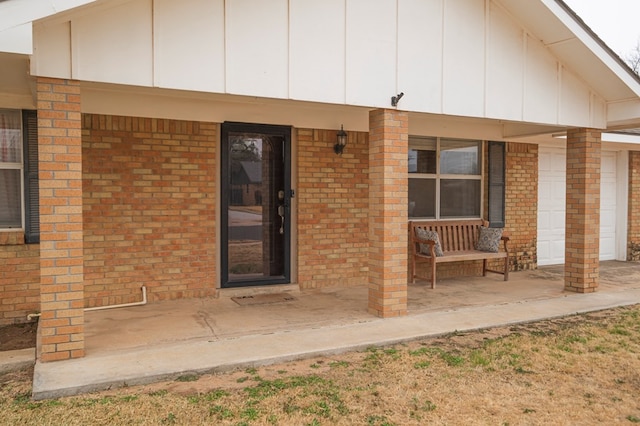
x=445 y=178
x=11 y=169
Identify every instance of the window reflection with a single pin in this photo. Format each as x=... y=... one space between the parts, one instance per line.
x=459 y=157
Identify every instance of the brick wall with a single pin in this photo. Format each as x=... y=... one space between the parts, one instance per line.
x=19 y=278
x=521 y=209
x=149 y=208
x=633 y=237
x=333 y=200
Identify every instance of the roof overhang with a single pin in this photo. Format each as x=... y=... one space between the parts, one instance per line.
x=552 y=22
x=582 y=51
x=16 y=17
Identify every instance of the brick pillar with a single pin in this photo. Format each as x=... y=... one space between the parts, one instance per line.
x=582 y=243
x=633 y=233
x=61 y=246
x=388 y=159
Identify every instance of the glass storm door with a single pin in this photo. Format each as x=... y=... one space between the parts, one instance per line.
x=256 y=195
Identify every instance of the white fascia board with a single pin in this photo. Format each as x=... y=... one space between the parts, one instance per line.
x=604 y=54
x=625 y=114
x=15 y=13
x=621 y=138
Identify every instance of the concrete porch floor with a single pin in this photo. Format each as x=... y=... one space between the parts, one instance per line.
x=142 y=344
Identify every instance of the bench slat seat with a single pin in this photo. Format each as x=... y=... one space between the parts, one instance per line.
x=458 y=239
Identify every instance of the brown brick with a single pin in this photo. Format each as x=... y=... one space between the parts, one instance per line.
x=633 y=233
x=583 y=210
x=388 y=153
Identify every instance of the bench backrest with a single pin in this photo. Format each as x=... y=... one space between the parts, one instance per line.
x=455 y=235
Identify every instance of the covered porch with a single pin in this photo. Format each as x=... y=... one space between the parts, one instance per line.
x=166 y=339
x=131 y=161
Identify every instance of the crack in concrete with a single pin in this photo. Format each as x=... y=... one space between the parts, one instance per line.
x=209 y=321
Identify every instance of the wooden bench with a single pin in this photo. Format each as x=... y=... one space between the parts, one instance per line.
x=458 y=239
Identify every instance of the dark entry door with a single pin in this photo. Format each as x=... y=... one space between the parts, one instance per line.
x=256 y=195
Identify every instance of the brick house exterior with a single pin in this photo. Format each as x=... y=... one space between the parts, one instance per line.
x=132 y=176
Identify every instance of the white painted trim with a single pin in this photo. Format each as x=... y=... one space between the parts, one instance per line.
x=621 y=138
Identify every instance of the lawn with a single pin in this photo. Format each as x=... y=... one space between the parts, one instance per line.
x=581 y=370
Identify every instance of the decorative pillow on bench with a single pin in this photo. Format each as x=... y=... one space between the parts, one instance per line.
x=429 y=235
x=489 y=239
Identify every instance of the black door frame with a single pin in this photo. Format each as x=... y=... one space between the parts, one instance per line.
x=268 y=129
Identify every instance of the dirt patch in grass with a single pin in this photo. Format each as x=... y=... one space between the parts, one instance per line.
x=579 y=370
x=18 y=336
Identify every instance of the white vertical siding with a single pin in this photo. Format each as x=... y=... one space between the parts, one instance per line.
x=52 y=46
x=317 y=40
x=575 y=99
x=371 y=52
x=114 y=45
x=195 y=65
x=464 y=57
x=420 y=54
x=541 y=84
x=598 y=111
x=455 y=57
x=505 y=67
x=257 y=47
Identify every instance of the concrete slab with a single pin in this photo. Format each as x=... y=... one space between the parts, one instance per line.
x=162 y=341
x=17 y=360
x=140 y=365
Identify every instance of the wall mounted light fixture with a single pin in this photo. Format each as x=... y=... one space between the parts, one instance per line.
x=395 y=99
x=341 y=141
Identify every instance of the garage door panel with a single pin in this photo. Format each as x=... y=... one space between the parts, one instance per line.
x=607 y=222
x=557 y=221
x=607 y=247
x=557 y=251
x=543 y=220
x=552 y=208
x=608 y=205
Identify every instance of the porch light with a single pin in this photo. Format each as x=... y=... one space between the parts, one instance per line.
x=341 y=141
x=395 y=99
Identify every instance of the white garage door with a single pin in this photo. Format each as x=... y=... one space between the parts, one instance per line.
x=608 y=206
x=552 y=200
x=552 y=179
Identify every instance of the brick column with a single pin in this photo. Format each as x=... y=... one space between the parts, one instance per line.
x=388 y=159
x=633 y=233
x=61 y=246
x=582 y=243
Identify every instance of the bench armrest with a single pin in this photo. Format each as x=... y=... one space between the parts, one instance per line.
x=422 y=241
x=416 y=245
x=506 y=239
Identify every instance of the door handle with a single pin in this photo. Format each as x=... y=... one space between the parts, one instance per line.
x=281 y=211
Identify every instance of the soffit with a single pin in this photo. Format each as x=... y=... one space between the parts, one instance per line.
x=14 y=13
x=576 y=46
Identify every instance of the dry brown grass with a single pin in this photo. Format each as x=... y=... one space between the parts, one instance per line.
x=579 y=370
